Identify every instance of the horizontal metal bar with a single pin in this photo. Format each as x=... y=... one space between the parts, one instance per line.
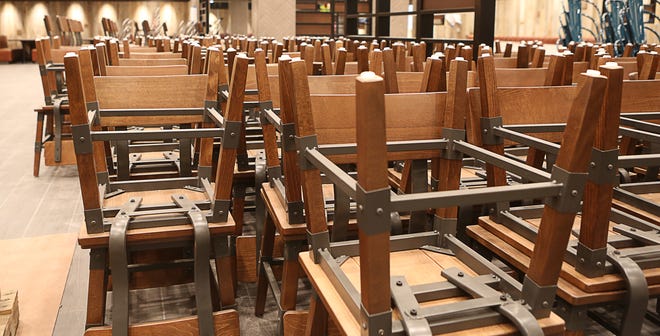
x=397 y=243
x=157 y=147
x=644 y=160
x=518 y=168
x=446 y=199
x=545 y=146
x=445 y=289
x=392 y=146
x=335 y=174
x=636 y=201
x=151 y=112
x=641 y=187
x=340 y=281
x=642 y=115
x=273 y=119
x=154 y=184
x=639 y=134
x=217 y=118
x=157 y=135
x=640 y=125
x=537 y=128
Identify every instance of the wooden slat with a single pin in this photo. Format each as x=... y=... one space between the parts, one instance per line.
x=151 y=91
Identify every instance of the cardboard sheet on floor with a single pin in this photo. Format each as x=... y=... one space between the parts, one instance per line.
x=37 y=267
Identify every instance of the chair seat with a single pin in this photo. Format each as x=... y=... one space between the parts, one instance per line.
x=278 y=211
x=406 y=263
x=566 y=290
x=156 y=234
x=608 y=282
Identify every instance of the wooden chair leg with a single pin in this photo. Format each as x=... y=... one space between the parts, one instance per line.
x=317 y=320
x=267 y=244
x=535 y=158
x=290 y=270
x=238 y=207
x=98 y=285
x=39 y=136
x=223 y=265
x=50 y=125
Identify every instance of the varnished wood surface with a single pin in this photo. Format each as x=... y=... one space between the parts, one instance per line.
x=68 y=154
x=407 y=263
x=157 y=70
x=151 y=62
x=607 y=282
x=150 y=91
x=566 y=290
x=224 y=323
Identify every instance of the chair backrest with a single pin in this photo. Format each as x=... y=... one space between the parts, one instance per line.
x=84 y=95
x=157 y=70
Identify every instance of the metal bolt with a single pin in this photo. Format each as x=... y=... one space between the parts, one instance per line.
x=220 y=212
x=413 y=312
x=491 y=210
x=617 y=252
x=122 y=213
x=132 y=200
x=193 y=208
x=399 y=283
x=379 y=211
x=592 y=164
x=485 y=130
x=82 y=139
x=503 y=297
x=633 y=229
x=545 y=304
x=563 y=308
x=93 y=222
x=364 y=325
x=581 y=260
x=574 y=193
x=180 y=197
x=360 y=207
x=599 y=264
x=460 y=274
x=494 y=276
x=291 y=136
x=232 y=134
x=610 y=166
x=381 y=332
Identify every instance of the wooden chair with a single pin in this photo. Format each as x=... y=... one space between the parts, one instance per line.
x=154 y=214
x=588 y=274
x=53 y=136
x=359 y=293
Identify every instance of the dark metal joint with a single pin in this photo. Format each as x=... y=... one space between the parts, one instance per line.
x=295 y=211
x=274 y=172
x=444 y=226
x=603 y=166
x=376 y=324
x=591 y=262
x=289 y=137
x=373 y=213
x=318 y=241
x=223 y=93
x=220 y=210
x=452 y=134
x=231 y=136
x=488 y=135
x=570 y=196
x=539 y=298
x=94 y=220
x=82 y=139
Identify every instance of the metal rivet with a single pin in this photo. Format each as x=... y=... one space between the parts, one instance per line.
x=491 y=210
x=93 y=222
x=592 y=164
x=180 y=197
x=132 y=200
x=617 y=252
x=503 y=297
x=545 y=304
x=360 y=207
x=494 y=276
x=413 y=312
x=399 y=283
x=364 y=325
x=381 y=332
x=599 y=264
x=633 y=229
x=379 y=211
x=485 y=130
x=221 y=212
x=122 y=213
x=574 y=193
x=581 y=260
x=232 y=134
x=610 y=166
x=82 y=139
x=460 y=274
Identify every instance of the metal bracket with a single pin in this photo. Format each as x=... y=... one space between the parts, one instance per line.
x=373 y=210
x=82 y=139
x=637 y=294
x=220 y=210
x=204 y=171
x=602 y=168
x=223 y=93
x=295 y=211
x=266 y=105
x=376 y=324
x=231 y=136
x=289 y=137
x=539 y=298
x=571 y=193
x=488 y=136
x=575 y=316
x=452 y=134
x=274 y=172
x=302 y=144
x=93 y=106
x=42 y=70
x=114 y=193
x=591 y=262
x=209 y=104
x=94 y=220
x=444 y=226
x=318 y=241
x=97 y=259
x=414 y=322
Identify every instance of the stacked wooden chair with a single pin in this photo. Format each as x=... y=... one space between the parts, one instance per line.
x=359 y=293
x=125 y=220
x=590 y=272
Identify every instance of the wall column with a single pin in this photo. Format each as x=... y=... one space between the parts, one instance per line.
x=274 y=18
x=239 y=17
